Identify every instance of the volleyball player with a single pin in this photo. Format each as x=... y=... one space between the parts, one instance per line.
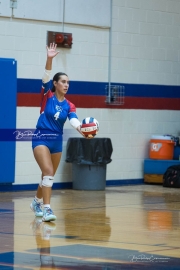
x=47 y=139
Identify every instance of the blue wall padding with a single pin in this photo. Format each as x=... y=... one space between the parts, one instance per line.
x=8 y=86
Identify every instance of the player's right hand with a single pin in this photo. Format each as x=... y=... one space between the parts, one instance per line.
x=51 y=50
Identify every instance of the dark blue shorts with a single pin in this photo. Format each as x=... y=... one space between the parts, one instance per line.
x=48 y=138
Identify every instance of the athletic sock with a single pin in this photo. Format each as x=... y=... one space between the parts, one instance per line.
x=47 y=206
x=37 y=200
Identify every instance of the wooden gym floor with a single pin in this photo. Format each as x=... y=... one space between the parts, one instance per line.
x=127 y=227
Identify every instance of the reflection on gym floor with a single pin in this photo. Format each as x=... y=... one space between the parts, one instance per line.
x=128 y=227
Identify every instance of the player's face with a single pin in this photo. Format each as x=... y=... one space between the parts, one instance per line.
x=62 y=85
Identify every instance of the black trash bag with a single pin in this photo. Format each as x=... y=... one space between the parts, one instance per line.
x=89 y=151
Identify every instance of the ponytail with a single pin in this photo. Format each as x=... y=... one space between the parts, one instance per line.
x=53 y=89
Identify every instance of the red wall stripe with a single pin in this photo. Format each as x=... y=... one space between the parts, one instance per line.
x=85 y=101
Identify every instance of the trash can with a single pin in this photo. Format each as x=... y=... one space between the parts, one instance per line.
x=89 y=158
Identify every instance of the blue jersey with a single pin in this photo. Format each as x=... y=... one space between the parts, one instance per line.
x=53 y=112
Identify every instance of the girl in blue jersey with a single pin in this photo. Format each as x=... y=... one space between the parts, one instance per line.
x=47 y=139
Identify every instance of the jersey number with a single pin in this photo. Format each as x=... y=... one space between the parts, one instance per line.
x=56 y=116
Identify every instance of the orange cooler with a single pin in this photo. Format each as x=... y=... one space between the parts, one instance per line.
x=161 y=147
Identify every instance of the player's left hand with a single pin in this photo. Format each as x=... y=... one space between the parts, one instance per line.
x=86 y=137
x=79 y=130
x=90 y=136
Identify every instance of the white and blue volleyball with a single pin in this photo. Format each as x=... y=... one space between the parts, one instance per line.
x=89 y=126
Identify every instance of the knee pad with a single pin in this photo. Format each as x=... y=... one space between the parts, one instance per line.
x=47 y=181
x=40 y=183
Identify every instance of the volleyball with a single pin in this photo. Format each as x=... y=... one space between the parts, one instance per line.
x=89 y=127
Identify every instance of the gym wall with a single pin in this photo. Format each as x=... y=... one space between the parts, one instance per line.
x=145 y=60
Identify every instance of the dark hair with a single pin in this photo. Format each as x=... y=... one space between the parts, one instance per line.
x=56 y=78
